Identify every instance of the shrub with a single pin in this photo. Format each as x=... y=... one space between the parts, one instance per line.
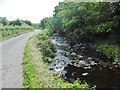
x=47 y=47
x=111 y=50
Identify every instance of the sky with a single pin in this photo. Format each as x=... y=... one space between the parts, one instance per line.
x=33 y=10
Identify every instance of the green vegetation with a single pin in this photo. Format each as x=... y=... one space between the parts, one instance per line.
x=31 y=79
x=47 y=47
x=13 y=28
x=9 y=31
x=90 y=22
x=112 y=51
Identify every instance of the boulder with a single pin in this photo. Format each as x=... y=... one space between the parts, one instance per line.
x=51 y=67
x=73 y=54
x=82 y=62
x=97 y=50
x=87 y=67
x=93 y=63
x=84 y=74
x=67 y=53
x=79 y=56
x=83 y=48
x=89 y=58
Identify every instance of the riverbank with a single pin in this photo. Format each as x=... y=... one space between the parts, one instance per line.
x=37 y=74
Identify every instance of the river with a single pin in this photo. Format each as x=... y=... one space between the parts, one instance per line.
x=83 y=61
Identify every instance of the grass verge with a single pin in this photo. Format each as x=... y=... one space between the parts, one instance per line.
x=30 y=73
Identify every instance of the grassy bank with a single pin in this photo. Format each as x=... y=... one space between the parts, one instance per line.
x=11 y=31
x=111 y=51
x=36 y=72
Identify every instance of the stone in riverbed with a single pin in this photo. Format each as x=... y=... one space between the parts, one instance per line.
x=83 y=48
x=58 y=69
x=79 y=56
x=87 y=67
x=51 y=67
x=73 y=54
x=89 y=58
x=98 y=50
x=77 y=65
x=67 y=53
x=72 y=63
x=93 y=63
x=82 y=62
x=84 y=74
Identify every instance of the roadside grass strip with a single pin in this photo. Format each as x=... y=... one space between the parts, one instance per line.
x=31 y=79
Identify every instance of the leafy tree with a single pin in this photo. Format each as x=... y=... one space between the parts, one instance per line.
x=4 y=21
x=28 y=22
x=15 y=22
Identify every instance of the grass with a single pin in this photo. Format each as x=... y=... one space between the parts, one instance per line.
x=31 y=79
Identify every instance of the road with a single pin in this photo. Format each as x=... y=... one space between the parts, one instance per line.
x=12 y=53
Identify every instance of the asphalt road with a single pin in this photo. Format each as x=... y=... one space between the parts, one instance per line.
x=12 y=53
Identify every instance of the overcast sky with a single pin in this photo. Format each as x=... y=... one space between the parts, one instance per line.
x=33 y=10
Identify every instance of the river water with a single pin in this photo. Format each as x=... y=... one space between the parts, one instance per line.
x=85 y=62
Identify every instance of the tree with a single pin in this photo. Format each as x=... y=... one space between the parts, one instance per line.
x=15 y=22
x=28 y=22
x=4 y=21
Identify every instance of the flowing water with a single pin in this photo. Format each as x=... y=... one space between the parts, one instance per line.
x=83 y=61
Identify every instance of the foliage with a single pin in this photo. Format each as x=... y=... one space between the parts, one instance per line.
x=90 y=22
x=111 y=50
x=76 y=85
x=47 y=46
x=15 y=22
x=3 y=21
x=8 y=31
x=84 y=19
x=12 y=28
x=28 y=22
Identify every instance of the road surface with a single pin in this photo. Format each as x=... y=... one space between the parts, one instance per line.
x=12 y=54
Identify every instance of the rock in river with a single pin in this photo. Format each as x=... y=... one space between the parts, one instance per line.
x=89 y=58
x=79 y=56
x=82 y=62
x=73 y=54
x=84 y=74
x=93 y=63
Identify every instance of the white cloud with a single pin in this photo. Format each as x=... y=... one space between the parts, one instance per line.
x=33 y=10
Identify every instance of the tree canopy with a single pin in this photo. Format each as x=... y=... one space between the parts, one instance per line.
x=85 y=19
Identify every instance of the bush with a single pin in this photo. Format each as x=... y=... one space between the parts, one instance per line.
x=76 y=85
x=47 y=47
x=112 y=51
